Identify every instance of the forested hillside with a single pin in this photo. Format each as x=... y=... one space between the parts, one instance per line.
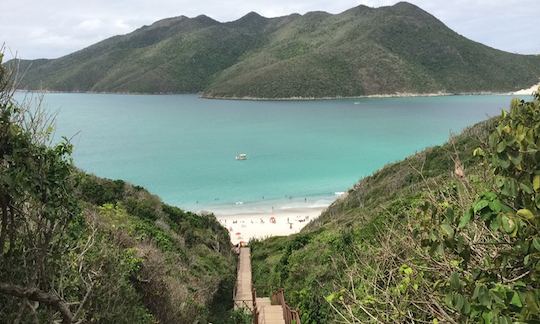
x=450 y=234
x=362 y=51
x=78 y=249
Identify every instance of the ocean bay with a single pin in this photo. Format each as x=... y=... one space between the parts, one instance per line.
x=300 y=153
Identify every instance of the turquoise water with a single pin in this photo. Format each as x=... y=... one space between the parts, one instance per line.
x=183 y=148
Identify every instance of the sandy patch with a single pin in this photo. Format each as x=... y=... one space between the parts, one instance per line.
x=244 y=226
x=527 y=92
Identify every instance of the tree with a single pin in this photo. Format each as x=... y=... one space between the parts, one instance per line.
x=36 y=203
x=497 y=274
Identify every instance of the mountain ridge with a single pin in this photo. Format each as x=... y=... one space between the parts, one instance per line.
x=359 y=52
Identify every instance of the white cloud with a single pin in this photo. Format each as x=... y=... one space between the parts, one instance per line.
x=54 y=28
x=90 y=24
x=119 y=24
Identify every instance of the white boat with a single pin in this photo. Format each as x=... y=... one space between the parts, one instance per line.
x=241 y=156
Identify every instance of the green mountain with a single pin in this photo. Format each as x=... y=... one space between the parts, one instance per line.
x=362 y=51
x=448 y=235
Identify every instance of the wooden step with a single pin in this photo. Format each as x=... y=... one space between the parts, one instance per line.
x=263 y=301
x=270 y=314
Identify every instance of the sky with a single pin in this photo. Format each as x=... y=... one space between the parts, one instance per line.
x=53 y=28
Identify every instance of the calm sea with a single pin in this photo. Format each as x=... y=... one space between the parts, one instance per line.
x=183 y=148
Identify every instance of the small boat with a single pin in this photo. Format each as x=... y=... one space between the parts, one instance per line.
x=241 y=156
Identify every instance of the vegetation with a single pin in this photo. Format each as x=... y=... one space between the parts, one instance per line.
x=362 y=51
x=76 y=248
x=447 y=235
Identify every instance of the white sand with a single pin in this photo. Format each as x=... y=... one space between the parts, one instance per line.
x=527 y=92
x=245 y=225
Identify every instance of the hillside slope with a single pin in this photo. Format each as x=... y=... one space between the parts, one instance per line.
x=172 y=55
x=441 y=236
x=362 y=51
x=183 y=262
x=365 y=51
x=145 y=261
x=313 y=264
x=75 y=248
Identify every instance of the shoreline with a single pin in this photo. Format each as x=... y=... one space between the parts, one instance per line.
x=245 y=226
x=529 y=91
x=373 y=96
x=201 y=95
x=263 y=219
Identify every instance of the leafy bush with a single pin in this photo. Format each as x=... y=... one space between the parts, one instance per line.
x=100 y=192
x=501 y=285
x=36 y=206
x=447 y=235
x=143 y=208
x=77 y=248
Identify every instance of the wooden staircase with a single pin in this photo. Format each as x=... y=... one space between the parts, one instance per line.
x=265 y=310
x=268 y=313
x=243 y=295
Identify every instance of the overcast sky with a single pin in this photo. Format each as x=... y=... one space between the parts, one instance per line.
x=52 y=28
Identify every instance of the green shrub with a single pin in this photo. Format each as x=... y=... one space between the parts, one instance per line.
x=99 y=191
x=143 y=208
x=500 y=283
x=417 y=242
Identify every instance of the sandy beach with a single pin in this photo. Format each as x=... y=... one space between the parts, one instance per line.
x=257 y=221
x=529 y=91
x=245 y=226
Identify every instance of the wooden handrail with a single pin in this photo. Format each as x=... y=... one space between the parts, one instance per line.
x=245 y=304
x=291 y=316
x=236 y=270
x=255 y=313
